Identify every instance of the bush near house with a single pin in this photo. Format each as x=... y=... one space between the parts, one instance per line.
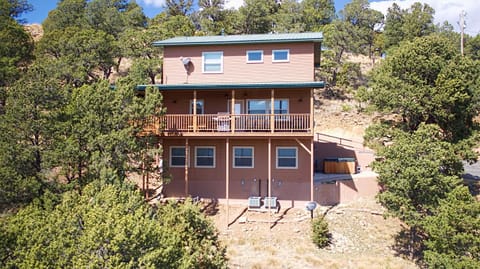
x=108 y=226
x=320 y=233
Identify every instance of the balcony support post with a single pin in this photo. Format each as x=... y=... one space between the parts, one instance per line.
x=272 y=110
x=227 y=178
x=311 y=127
x=311 y=169
x=269 y=180
x=187 y=158
x=194 y=111
x=232 y=112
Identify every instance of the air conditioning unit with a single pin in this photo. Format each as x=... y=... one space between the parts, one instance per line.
x=254 y=202
x=270 y=202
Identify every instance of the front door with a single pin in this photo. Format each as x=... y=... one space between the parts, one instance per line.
x=238 y=110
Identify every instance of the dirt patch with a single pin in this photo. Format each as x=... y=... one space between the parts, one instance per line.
x=35 y=30
x=340 y=118
x=361 y=238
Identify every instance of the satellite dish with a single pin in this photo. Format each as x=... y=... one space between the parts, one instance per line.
x=186 y=60
x=187 y=63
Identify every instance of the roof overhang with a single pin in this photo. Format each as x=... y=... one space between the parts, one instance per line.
x=315 y=37
x=235 y=86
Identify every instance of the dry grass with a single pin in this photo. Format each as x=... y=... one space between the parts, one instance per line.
x=361 y=239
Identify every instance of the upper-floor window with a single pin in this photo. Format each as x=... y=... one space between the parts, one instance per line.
x=254 y=56
x=212 y=62
x=280 y=106
x=281 y=55
x=200 y=107
x=262 y=106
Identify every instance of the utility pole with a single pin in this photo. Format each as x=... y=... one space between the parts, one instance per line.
x=462 y=29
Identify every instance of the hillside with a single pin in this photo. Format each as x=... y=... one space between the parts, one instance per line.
x=360 y=238
x=35 y=30
x=338 y=113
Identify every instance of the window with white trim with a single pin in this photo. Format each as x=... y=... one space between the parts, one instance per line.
x=212 y=62
x=177 y=156
x=243 y=157
x=254 y=56
x=281 y=55
x=287 y=157
x=200 y=107
x=205 y=157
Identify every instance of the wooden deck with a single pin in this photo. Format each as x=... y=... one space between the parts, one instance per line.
x=227 y=124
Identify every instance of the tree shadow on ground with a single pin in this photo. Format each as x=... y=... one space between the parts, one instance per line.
x=210 y=208
x=473 y=187
x=409 y=246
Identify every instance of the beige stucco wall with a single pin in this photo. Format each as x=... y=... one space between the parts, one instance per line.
x=344 y=191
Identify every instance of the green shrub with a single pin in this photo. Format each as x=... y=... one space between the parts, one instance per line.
x=108 y=226
x=346 y=108
x=453 y=229
x=320 y=233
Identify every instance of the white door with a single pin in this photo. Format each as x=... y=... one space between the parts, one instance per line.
x=238 y=109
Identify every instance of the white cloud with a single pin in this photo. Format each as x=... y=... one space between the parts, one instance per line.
x=445 y=10
x=154 y=3
x=233 y=3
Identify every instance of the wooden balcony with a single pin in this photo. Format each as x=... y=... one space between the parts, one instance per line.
x=223 y=124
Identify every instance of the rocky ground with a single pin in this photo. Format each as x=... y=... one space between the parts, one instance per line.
x=360 y=238
x=35 y=30
x=340 y=118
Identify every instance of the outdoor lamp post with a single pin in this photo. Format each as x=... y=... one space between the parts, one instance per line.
x=310 y=207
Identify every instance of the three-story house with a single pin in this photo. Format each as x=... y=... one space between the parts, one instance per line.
x=239 y=116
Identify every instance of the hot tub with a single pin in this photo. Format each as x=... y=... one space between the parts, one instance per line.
x=339 y=165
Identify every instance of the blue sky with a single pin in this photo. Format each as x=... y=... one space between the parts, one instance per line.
x=150 y=8
x=445 y=10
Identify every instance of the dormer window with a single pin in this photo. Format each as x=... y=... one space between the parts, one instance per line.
x=212 y=62
x=254 y=56
x=280 y=55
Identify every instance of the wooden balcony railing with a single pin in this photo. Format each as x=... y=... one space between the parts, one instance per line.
x=224 y=123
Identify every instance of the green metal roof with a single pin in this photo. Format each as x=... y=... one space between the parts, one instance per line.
x=235 y=86
x=315 y=37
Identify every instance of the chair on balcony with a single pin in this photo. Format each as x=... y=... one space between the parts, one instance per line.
x=223 y=121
